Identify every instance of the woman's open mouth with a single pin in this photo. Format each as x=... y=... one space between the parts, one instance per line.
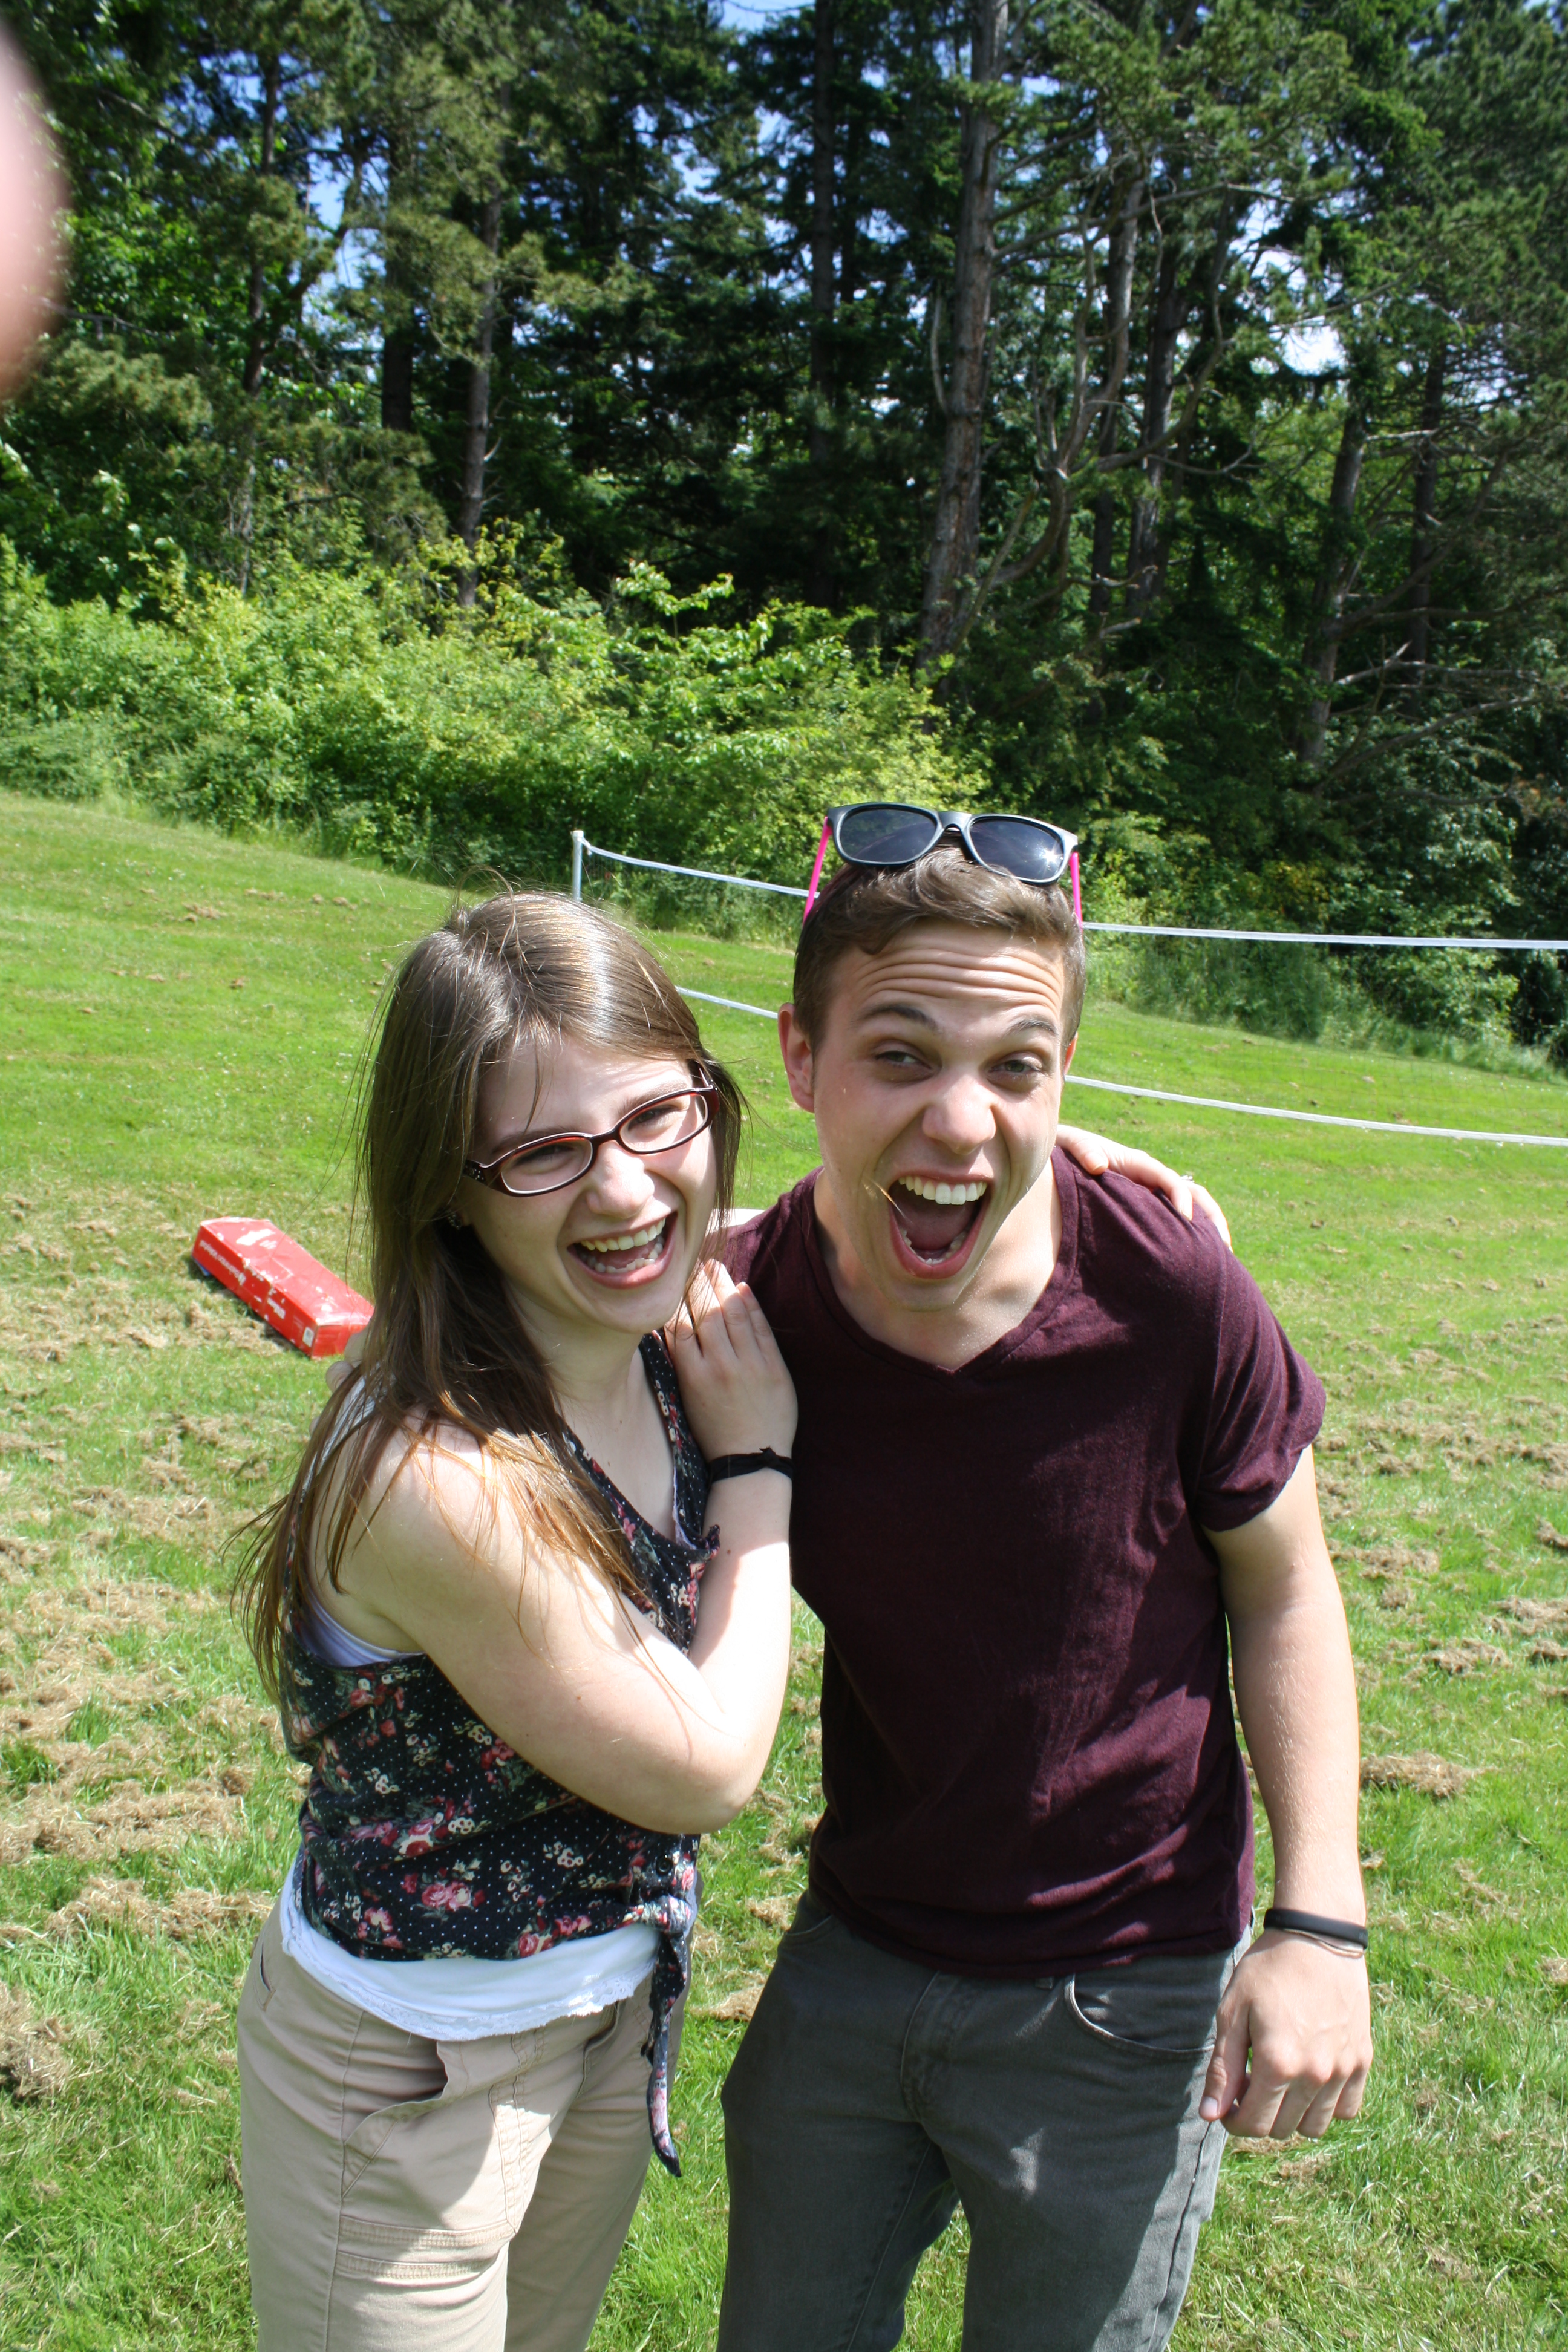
x=621 y=1259
x=934 y=1224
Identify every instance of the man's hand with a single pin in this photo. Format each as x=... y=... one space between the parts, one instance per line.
x=1306 y=2016
x=1097 y=1155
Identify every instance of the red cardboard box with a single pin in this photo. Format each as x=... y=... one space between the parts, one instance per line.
x=281 y=1283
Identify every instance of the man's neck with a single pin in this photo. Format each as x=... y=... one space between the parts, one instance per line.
x=1006 y=1288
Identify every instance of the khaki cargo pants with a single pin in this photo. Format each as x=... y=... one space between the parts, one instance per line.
x=411 y=2196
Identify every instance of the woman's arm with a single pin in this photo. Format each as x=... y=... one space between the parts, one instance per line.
x=566 y=1672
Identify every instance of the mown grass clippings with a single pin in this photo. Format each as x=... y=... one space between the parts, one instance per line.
x=34 y=2062
x=126 y=1468
x=1428 y=1775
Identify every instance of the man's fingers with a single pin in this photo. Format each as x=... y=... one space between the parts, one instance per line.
x=1255 y=2116
x=1320 y=2111
x=1351 y=2096
x=1227 y=2077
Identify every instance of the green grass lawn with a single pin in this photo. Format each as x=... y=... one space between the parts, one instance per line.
x=180 y=1021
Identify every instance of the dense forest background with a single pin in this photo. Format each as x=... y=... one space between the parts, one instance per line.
x=471 y=417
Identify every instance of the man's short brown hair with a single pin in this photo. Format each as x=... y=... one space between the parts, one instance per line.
x=867 y=907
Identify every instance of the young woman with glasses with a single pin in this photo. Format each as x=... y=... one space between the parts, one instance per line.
x=524 y=1650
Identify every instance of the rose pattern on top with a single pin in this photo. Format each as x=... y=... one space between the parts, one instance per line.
x=425 y=1834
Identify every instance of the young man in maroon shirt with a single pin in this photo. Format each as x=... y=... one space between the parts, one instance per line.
x=1053 y=1471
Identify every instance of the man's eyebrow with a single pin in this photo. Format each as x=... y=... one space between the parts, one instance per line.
x=1028 y=1025
x=889 y=1011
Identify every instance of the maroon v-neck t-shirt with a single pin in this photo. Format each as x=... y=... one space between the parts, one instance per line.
x=1029 y=1759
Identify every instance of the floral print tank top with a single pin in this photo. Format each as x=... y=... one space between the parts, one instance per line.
x=425 y=1834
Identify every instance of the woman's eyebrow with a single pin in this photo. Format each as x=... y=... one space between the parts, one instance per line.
x=547 y=1134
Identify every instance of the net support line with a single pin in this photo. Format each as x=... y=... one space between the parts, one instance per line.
x=1336 y=939
x=583 y=847
x=1216 y=1102
x=1317 y=1118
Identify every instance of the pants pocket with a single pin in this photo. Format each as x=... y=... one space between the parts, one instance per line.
x=1154 y=2008
x=811 y=1919
x=427 y=2087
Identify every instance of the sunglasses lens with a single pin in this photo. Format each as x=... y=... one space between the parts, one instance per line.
x=886 y=832
x=1035 y=852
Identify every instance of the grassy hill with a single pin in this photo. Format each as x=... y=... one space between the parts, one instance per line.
x=180 y=1020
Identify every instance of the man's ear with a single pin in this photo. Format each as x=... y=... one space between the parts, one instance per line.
x=1072 y=1050
x=795 y=1047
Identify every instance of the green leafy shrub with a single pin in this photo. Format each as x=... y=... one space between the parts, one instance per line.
x=372 y=713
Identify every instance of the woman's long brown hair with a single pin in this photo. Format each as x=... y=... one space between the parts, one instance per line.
x=447 y=1347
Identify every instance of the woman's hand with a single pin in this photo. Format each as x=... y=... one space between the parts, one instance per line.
x=345 y=1367
x=1097 y=1155
x=738 y=1394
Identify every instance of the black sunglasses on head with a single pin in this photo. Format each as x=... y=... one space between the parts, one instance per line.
x=897 y=833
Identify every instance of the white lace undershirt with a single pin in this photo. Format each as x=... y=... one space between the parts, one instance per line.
x=459 y=1999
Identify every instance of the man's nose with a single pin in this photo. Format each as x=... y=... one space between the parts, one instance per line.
x=959 y=1116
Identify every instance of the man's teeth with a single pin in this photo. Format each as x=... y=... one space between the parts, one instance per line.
x=946 y=1195
x=639 y=1240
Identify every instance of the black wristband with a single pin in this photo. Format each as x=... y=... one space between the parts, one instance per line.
x=741 y=1465
x=1307 y=1923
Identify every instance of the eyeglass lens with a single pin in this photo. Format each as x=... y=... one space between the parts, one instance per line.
x=561 y=1159
x=890 y=833
x=1035 y=852
x=886 y=832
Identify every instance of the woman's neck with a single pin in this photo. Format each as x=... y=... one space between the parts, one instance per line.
x=595 y=1374
x=605 y=1399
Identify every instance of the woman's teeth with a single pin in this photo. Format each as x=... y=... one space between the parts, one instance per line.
x=946 y=1195
x=644 y=1238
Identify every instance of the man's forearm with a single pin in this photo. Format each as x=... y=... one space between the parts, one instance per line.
x=1301 y=2012
x=1294 y=1687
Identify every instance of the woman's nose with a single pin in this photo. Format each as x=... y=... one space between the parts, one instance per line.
x=619 y=1180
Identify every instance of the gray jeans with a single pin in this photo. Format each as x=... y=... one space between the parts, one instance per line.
x=870 y=2097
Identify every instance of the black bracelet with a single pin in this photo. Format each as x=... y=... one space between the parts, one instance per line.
x=1307 y=1923
x=741 y=1465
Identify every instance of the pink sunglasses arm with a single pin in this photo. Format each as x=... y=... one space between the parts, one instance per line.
x=1076 y=898
x=816 y=869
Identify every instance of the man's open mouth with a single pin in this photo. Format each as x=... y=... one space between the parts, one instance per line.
x=937 y=1221
x=617 y=1256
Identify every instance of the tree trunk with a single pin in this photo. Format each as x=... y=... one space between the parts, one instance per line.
x=256 y=307
x=256 y=314
x=1423 y=519
x=1119 y=265
x=1329 y=593
x=821 y=296
x=955 y=530
x=476 y=429
x=1146 y=553
x=397 y=380
x=397 y=322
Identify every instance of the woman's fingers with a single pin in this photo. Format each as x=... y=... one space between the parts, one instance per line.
x=735 y=1385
